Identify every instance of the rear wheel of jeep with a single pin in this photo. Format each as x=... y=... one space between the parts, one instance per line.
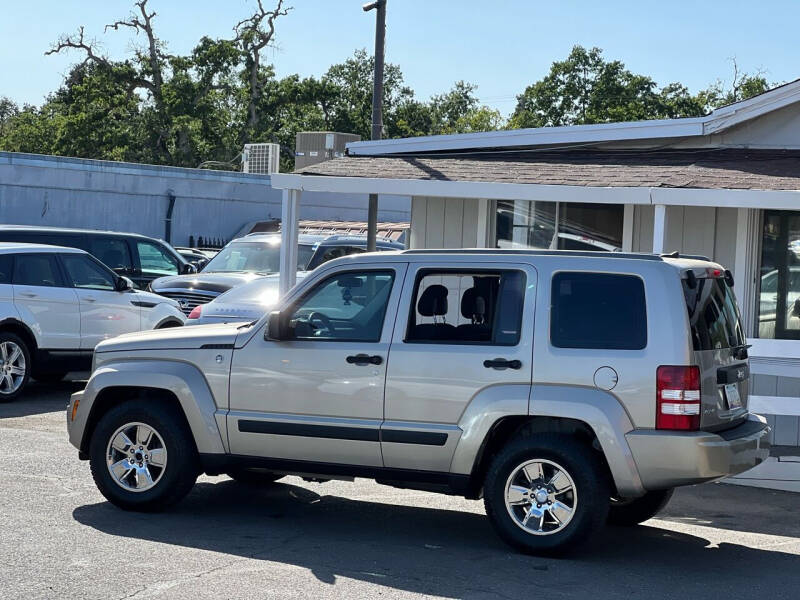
x=255 y=477
x=546 y=493
x=626 y=513
x=142 y=456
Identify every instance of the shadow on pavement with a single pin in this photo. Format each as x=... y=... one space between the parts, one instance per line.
x=38 y=398
x=442 y=552
x=736 y=508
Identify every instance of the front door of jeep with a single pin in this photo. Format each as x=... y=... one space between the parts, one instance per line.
x=317 y=395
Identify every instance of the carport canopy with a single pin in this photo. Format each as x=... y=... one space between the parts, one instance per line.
x=721 y=177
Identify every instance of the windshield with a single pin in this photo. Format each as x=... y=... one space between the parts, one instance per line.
x=713 y=314
x=255 y=257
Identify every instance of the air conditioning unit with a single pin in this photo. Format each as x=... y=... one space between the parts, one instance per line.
x=261 y=158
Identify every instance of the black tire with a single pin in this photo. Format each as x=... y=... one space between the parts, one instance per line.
x=625 y=513
x=170 y=325
x=50 y=377
x=182 y=464
x=10 y=338
x=591 y=485
x=254 y=477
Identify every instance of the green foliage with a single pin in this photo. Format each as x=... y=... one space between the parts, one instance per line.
x=186 y=110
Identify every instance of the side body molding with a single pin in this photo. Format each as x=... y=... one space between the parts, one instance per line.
x=605 y=415
x=185 y=381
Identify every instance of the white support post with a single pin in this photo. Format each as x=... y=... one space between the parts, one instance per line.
x=482 y=238
x=627 y=228
x=659 y=228
x=290 y=210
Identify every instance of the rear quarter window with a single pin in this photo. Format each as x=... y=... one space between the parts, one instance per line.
x=598 y=311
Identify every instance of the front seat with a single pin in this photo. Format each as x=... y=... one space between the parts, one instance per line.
x=433 y=303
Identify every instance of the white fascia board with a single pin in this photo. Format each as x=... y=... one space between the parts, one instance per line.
x=463 y=189
x=733 y=114
x=541 y=136
x=763 y=199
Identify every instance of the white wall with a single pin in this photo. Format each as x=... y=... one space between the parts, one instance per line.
x=445 y=222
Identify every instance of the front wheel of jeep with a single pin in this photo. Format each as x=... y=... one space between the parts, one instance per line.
x=546 y=493
x=142 y=456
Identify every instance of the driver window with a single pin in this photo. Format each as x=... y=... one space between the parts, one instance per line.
x=346 y=307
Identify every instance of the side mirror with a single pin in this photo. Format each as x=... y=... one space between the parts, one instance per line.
x=276 y=327
x=188 y=269
x=123 y=284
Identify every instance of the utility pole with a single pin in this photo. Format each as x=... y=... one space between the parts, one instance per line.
x=377 y=107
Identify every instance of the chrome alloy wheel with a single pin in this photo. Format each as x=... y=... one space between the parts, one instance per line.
x=541 y=497
x=136 y=457
x=12 y=367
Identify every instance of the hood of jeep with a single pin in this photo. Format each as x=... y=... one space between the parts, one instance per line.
x=174 y=338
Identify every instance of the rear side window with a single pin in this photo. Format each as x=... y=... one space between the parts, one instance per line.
x=112 y=252
x=6 y=264
x=713 y=314
x=36 y=269
x=598 y=311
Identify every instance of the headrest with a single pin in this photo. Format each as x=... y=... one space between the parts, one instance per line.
x=473 y=306
x=433 y=301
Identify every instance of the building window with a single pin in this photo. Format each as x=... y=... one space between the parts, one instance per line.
x=779 y=293
x=559 y=225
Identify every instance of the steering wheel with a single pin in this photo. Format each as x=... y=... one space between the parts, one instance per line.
x=323 y=320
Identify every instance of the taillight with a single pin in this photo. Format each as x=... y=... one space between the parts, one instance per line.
x=196 y=312
x=678 y=398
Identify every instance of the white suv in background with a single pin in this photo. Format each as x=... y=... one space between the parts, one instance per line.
x=57 y=304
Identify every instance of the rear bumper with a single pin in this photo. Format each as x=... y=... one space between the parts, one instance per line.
x=671 y=459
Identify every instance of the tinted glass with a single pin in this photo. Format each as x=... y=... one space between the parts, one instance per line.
x=563 y=225
x=257 y=257
x=6 y=265
x=86 y=274
x=348 y=306
x=713 y=314
x=36 y=269
x=779 y=297
x=474 y=307
x=598 y=310
x=112 y=252
x=155 y=260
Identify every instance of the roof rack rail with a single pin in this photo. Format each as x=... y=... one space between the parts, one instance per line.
x=533 y=252
x=677 y=254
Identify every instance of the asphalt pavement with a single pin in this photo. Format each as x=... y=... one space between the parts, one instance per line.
x=60 y=539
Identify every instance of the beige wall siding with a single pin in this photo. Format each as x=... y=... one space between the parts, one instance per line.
x=691 y=230
x=444 y=222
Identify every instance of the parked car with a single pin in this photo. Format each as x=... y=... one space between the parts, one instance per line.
x=193 y=256
x=56 y=304
x=247 y=302
x=253 y=256
x=137 y=257
x=566 y=388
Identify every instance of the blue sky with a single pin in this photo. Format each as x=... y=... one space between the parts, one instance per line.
x=500 y=45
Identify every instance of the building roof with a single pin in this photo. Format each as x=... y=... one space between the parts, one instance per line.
x=718 y=120
x=707 y=169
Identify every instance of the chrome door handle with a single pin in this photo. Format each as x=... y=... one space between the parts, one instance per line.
x=90 y=299
x=28 y=294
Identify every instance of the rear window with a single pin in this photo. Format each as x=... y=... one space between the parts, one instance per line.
x=598 y=310
x=713 y=314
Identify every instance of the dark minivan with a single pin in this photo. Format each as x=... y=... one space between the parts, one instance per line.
x=137 y=257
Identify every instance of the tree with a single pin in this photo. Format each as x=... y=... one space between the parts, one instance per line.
x=743 y=86
x=253 y=35
x=585 y=88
